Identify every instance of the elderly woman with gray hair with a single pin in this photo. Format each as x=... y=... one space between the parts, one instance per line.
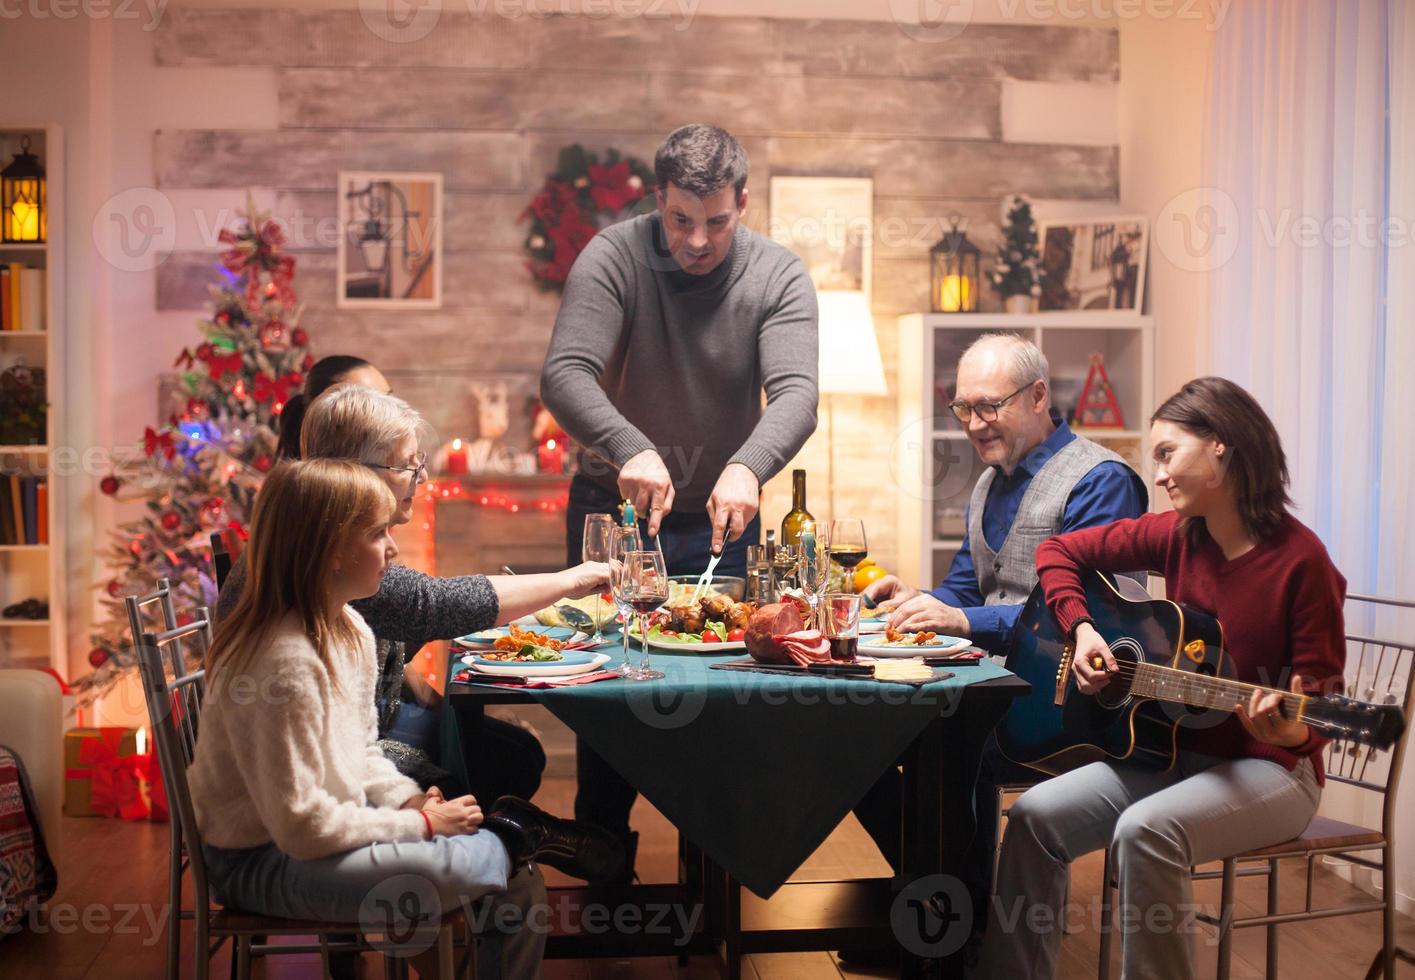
x=351 y=421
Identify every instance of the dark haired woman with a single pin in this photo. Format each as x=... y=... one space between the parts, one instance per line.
x=325 y=374
x=1231 y=549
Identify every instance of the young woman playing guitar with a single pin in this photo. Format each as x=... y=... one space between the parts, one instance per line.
x=1231 y=549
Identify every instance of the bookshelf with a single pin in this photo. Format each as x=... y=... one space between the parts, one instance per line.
x=36 y=570
x=935 y=463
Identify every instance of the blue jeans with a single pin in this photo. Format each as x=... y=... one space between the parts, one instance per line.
x=400 y=889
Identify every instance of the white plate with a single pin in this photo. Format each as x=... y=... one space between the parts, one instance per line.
x=490 y=636
x=538 y=670
x=873 y=625
x=875 y=646
x=726 y=645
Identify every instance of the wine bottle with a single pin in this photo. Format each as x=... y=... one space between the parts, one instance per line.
x=791 y=524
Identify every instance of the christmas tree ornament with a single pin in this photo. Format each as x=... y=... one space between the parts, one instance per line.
x=97 y=657
x=108 y=486
x=171 y=520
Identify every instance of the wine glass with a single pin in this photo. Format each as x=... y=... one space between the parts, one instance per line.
x=847 y=546
x=625 y=539
x=644 y=585
x=813 y=566
x=594 y=546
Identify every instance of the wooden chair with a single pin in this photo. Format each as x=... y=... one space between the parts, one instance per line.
x=174 y=709
x=1382 y=671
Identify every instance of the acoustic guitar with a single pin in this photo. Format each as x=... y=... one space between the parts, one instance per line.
x=1173 y=673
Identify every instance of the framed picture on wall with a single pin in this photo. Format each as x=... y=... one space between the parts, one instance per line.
x=828 y=222
x=1094 y=263
x=390 y=242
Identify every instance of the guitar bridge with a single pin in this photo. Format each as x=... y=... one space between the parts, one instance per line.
x=1063 y=673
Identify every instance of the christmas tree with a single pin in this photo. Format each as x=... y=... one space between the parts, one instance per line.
x=1016 y=271
x=200 y=471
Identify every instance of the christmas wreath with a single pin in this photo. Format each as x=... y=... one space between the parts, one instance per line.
x=579 y=200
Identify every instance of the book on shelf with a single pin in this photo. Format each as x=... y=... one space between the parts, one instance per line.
x=7 y=524
x=24 y=503
x=17 y=509
x=21 y=297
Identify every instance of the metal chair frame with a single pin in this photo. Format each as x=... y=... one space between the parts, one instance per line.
x=1381 y=666
x=174 y=710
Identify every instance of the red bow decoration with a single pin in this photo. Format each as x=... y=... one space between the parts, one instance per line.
x=156 y=791
x=275 y=389
x=114 y=788
x=219 y=365
x=152 y=442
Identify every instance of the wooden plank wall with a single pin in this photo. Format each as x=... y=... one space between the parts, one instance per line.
x=489 y=101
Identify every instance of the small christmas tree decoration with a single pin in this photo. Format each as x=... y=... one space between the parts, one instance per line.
x=1017 y=270
x=1098 y=408
x=200 y=471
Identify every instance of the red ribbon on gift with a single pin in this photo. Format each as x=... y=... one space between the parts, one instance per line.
x=114 y=790
x=156 y=791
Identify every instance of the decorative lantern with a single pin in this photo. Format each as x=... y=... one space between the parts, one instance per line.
x=25 y=215
x=954 y=273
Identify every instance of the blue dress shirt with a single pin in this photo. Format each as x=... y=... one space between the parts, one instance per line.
x=1108 y=493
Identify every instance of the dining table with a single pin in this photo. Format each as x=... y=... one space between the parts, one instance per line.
x=755 y=770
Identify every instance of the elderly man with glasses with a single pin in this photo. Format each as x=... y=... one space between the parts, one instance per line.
x=1042 y=479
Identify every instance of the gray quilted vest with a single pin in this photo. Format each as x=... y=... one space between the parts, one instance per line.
x=1007 y=576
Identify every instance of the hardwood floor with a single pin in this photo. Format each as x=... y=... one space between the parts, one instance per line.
x=107 y=921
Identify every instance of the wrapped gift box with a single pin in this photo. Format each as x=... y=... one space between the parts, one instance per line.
x=103 y=773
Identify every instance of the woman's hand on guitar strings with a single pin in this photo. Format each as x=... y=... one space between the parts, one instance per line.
x=1092 y=663
x=1264 y=720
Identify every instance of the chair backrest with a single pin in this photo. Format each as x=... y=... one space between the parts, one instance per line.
x=1380 y=671
x=162 y=597
x=174 y=709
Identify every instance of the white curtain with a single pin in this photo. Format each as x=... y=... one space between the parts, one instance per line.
x=1312 y=139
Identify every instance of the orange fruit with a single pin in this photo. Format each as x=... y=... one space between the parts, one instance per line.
x=866 y=572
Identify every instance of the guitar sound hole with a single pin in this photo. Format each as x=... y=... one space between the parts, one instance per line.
x=1127 y=653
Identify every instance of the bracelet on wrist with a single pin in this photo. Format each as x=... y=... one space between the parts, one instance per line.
x=1076 y=626
x=428 y=821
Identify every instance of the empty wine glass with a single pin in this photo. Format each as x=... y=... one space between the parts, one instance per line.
x=594 y=546
x=813 y=566
x=621 y=542
x=643 y=583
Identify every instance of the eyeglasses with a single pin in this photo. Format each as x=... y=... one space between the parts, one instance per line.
x=987 y=411
x=419 y=465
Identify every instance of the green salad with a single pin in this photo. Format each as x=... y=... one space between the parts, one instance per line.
x=657 y=632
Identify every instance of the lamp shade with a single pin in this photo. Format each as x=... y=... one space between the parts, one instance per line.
x=849 y=351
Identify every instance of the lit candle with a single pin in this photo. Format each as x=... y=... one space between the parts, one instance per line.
x=456 y=458
x=953 y=294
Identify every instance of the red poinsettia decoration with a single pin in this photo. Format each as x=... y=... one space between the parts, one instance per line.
x=582 y=197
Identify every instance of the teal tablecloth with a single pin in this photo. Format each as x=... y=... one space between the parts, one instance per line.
x=756 y=769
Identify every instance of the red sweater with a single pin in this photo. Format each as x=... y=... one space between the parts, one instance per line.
x=1280 y=606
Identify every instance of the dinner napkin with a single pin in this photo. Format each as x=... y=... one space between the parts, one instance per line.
x=503 y=680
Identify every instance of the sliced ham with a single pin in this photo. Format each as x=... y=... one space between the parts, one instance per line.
x=776 y=635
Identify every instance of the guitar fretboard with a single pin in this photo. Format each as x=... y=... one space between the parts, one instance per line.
x=1204 y=691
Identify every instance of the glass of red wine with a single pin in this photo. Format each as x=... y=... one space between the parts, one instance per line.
x=642 y=585
x=842 y=624
x=847 y=545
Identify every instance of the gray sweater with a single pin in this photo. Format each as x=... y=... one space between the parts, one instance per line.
x=645 y=356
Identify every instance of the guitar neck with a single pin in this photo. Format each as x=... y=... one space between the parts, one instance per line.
x=1204 y=691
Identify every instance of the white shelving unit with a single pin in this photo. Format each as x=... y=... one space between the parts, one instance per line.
x=935 y=464
x=37 y=570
